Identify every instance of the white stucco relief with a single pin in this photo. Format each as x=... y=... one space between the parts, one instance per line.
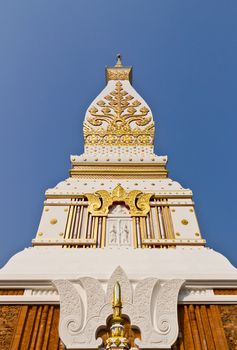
x=151 y=306
x=119 y=227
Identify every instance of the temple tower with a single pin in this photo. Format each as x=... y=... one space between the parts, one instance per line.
x=118 y=260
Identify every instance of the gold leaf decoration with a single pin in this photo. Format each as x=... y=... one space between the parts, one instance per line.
x=94 y=202
x=118 y=193
x=143 y=202
x=118 y=121
x=137 y=201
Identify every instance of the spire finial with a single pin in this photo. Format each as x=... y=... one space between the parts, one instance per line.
x=118 y=71
x=117 y=303
x=119 y=61
x=117 y=340
x=117 y=297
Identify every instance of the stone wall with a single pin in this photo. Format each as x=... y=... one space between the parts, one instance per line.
x=35 y=327
x=29 y=327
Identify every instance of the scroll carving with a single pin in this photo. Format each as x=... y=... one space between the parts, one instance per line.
x=137 y=201
x=71 y=310
x=152 y=307
x=160 y=318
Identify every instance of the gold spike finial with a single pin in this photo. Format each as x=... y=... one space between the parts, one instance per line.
x=117 y=338
x=117 y=295
x=117 y=304
x=119 y=61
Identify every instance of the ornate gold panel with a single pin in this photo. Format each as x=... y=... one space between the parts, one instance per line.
x=137 y=201
x=111 y=121
x=123 y=171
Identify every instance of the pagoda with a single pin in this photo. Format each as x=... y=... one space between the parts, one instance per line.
x=119 y=260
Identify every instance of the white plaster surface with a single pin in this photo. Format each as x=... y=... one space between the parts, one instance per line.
x=47 y=263
x=49 y=228
x=80 y=186
x=118 y=154
x=190 y=230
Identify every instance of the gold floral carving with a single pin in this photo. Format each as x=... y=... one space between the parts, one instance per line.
x=119 y=119
x=118 y=74
x=137 y=201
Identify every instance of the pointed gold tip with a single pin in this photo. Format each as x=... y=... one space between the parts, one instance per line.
x=117 y=339
x=119 y=61
x=117 y=295
x=117 y=304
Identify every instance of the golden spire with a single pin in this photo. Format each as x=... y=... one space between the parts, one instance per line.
x=117 y=339
x=119 y=116
x=119 y=61
x=119 y=71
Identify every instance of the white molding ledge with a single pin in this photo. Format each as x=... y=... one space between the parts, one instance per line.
x=54 y=299
x=29 y=299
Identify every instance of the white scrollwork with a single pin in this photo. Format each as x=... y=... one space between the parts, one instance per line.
x=163 y=324
x=95 y=295
x=152 y=308
x=166 y=308
x=73 y=324
x=71 y=310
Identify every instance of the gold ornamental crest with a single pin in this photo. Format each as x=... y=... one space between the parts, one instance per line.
x=119 y=119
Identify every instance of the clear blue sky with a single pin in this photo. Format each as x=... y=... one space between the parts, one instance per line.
x=52 y=58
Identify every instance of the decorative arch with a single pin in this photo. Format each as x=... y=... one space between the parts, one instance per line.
x=137 y=201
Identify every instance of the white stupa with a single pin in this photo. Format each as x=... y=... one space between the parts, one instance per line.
x=120 y=218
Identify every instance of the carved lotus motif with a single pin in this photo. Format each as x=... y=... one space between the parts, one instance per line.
x=151 y=306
